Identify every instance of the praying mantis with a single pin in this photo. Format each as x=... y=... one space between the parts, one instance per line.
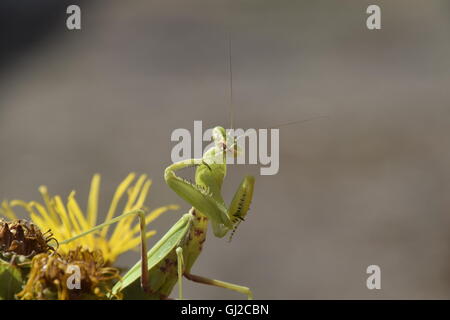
x=173 y=256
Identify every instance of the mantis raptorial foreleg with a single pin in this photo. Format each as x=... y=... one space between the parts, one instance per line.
x=200 y=196
x=205 y=195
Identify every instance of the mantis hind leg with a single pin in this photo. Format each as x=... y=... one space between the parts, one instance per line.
x=221 y=284
x=180 y=266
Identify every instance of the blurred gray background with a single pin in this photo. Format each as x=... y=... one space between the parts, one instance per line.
x=370 y=184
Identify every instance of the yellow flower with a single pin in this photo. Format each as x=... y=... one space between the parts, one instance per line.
x=66 y=220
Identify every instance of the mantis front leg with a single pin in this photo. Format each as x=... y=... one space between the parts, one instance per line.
x=199 y=196
x=204 y=200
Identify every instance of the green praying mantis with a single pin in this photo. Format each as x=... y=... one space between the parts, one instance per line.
x=173 y=256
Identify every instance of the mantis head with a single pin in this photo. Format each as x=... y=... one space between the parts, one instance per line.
x=219 y=136
x=225 y=141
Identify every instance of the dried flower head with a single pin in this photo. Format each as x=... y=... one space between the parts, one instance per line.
x=23 y=238
x=51 y=273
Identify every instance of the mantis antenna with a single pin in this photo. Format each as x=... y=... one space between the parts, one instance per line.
x=230 y=65
x=297 y=122
x=235 y=139
x=282 y=125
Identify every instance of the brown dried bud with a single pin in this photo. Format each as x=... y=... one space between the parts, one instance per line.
x=23 y=238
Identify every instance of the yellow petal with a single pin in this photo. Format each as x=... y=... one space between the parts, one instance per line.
x=44 y=192
x=92 y=207
x=62 y=212
x=115 y=201
x=153 y=215
x=7 y=211
x=133 y=194
x=128 y=245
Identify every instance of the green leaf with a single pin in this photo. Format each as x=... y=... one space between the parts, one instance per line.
x=10 y=281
